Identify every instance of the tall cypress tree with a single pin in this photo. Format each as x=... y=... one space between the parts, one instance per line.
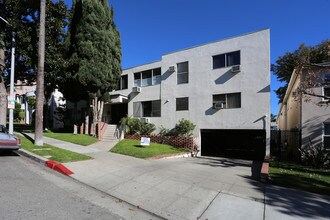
x=94 y=53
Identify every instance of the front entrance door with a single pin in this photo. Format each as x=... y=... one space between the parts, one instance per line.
x=118 y=111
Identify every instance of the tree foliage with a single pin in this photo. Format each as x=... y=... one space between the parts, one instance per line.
x=303 y=56
x=94 y=48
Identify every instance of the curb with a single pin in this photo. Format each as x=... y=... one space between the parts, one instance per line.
x=58 y=167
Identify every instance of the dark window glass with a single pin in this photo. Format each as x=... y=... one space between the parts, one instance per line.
x=326 y=91
x=233 y=58
x=182 y=104
x=137 y=79
x=124 y=82
x=156 y=76
x=231 y=100
x=183 y=72
x=149 y=109
x=219 y=61
x=326 y=142
x=326 y=129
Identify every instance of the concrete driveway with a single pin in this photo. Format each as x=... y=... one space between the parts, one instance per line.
x=180 y=188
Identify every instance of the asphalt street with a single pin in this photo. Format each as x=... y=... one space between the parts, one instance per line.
x=31 y=191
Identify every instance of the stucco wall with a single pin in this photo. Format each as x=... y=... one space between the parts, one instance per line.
x=253 y=82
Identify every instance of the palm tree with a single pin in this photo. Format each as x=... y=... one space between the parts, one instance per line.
x=40 y=77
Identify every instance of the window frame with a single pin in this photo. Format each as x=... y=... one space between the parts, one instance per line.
x=185 y=105
x=325 y=135
x=182 y=73
x=142 y=106
x=152 y=78
x=226 y=100
x=226 y=59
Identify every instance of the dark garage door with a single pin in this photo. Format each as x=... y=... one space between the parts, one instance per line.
x=242 y=144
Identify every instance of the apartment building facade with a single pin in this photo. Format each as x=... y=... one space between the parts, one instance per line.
x=308 y=114
x=223 y=87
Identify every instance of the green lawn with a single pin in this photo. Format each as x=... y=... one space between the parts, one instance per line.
x=57 y=154
x=81 y=139
x=134 y=149
x=300 y=177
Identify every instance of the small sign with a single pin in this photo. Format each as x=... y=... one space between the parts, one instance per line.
x=11 y=103
x=145 y=141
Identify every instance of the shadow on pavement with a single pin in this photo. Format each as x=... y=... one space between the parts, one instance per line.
x=291 y=202
x=8 y=153
x=221 y=162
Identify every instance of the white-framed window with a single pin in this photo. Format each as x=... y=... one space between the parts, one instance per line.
x=227 y=59
x=147 y=77
x=182 y=104
x=326 y=135
x=230 y=100
x=183 y=73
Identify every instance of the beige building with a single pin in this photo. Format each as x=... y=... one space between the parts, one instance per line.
x=308 y=112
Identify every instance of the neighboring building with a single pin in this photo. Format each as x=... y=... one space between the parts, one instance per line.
x=222 y=87
x=308 y=114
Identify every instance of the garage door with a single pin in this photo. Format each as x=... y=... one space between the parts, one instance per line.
x=242 y=144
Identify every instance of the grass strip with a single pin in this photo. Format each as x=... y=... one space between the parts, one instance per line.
x=81 y=139
x=134 y=149
x=55 y=153
x=300 y=177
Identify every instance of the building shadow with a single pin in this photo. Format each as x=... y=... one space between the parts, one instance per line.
x=221 y=162
x=224 y=77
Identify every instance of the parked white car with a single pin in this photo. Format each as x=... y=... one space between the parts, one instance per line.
x=7 y=141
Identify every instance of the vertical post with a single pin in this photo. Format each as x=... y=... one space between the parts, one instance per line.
x=12 y=75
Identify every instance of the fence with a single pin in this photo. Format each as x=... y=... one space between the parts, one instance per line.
x=285 y=145
x=188 y=143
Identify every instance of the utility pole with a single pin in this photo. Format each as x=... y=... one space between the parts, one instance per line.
x=11 y=98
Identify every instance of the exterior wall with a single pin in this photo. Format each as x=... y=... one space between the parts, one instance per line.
x=289 y=116
x=253 y=82
x=314 y=114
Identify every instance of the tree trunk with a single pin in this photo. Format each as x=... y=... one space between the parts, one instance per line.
x=95 y=115
x=38 y=139
x=86 y=122
x=3 y=92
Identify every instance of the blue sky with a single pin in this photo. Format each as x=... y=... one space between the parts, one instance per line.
x=150 y=28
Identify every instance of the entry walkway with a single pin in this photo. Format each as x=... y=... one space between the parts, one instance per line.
x=188 y=188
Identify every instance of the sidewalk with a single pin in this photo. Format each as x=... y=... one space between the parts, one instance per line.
x=188 y=188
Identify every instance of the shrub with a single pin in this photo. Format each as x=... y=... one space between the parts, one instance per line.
x=17 y=109
x=135 y=126
x=21 y=115
x=147 y=128
x=164 y=131
x=184 y=128
x=315 y=155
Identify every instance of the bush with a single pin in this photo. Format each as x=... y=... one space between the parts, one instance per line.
x=164 y=131
x=17 y=109
x=315 y=155
x=21 y=115
x=184 y=128
x=135 y=126
x=147 y=128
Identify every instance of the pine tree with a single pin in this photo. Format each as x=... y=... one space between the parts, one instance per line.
x=94 y=51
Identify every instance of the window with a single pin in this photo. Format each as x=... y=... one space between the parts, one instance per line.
x=182 y=104
x=183 y=73
x=326 y=135
x=147 y=77
x=231 y=100
x=122 y=83
x=147 y=109
x=137 y=79
x=227 y=59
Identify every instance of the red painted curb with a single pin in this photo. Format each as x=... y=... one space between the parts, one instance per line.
x=264 y=174
x=58 y=167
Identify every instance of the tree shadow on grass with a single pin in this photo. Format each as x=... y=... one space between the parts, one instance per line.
x=292 y=202
x=139 y=146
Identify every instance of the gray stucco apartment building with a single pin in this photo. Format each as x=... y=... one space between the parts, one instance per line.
x=223 y=87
